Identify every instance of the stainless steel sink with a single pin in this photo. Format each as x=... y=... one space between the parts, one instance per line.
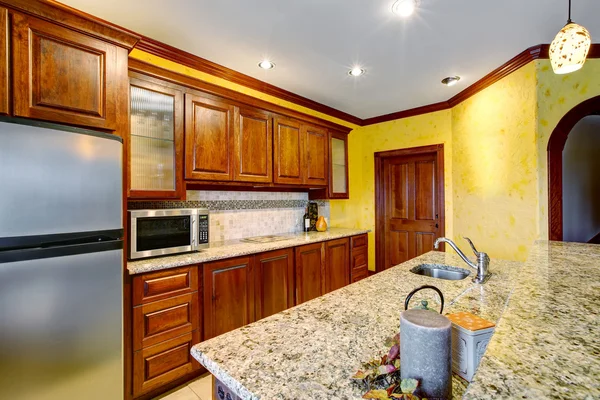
x=440 y=271
x=265 y=239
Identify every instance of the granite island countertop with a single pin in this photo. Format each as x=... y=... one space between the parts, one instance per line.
x=237 y=248
x=310 y=351
x=547 y=345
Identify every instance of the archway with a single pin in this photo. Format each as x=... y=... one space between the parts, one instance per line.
x=556 y=145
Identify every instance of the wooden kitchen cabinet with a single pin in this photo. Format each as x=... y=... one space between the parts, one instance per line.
x=4 y=62
x=65 y=76
x=159 y=285
x=359 y=257
x=287 y=152
x=228 y=295
x=310 y=271
x=338 y=166
x=316 y=155
x=274 y=282
x=253 y=146
x=337 y=264
x=155 y=140
x=209 y=138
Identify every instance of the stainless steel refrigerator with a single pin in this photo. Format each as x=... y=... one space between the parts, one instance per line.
x=61 y=262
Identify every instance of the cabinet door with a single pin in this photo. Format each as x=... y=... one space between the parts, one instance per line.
x=274 y=282
x=228 y=295
x=287 y=154
x=159 y=365
x=208 y=139
x=4 y=57
x=155 y=141
x=337 y=264
x=316 y=155
x=338 y=166
x=64 y=76
x=253 y=144
x=310 y=265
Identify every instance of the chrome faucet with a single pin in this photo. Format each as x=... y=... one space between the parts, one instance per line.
x=483 y=261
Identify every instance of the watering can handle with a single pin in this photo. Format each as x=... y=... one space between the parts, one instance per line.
x=410 y=295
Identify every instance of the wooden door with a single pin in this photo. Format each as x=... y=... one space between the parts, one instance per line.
x=65 y=76
x=409 y=204
x=337 y=264
x=310 y=270
x=4 y=59
x=287 y=152
x=316 y=155
x=253 y=147
x=274 y=282
x=228 y=295
x=208 y=139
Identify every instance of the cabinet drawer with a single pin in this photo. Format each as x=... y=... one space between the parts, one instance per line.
x=360 y=273
x=164 y=284
x=165 y=319
x=359 y=241
x=359 y=258
x=158 y=365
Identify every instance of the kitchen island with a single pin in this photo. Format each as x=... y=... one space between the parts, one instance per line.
x=311 y=351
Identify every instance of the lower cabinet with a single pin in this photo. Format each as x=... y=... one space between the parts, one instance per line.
x=310 y=271
x=228 y=295
x=337 y=264
x=274 y=291
x=359 y=257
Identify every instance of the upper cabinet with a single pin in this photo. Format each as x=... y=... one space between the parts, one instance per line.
x=65 y=76
x=253 y=146
x=209 y=126
x=301 y=153
x=338 y=166
x=156 y=140
x=4 y=67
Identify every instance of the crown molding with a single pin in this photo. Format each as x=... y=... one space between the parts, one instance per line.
x=182 y=57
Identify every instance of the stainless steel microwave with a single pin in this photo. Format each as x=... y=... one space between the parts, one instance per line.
x=155 y=233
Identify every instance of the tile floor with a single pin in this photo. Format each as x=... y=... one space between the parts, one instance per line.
x=199 y=389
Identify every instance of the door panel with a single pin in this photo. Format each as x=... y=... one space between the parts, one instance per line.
x=253 y=160
x=228 y=295
x=410 y=217
x=208 y=139
x=274 y=282
x=316 y=155
x=309 y=272
x=337 y=264
x=62 y=75
x=287 y=154
x=4 y=59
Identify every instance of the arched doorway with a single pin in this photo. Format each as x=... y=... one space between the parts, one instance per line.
x=556 y=145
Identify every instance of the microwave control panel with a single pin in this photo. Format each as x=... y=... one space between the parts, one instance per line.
x=203 y=229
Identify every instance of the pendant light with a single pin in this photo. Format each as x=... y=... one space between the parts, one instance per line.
x=570 y=47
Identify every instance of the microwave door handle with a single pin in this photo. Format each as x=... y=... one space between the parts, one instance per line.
x=194 y=233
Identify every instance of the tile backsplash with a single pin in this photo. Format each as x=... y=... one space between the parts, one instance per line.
x=236 y=215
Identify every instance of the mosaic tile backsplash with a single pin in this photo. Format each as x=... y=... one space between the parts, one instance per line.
x=236 y=215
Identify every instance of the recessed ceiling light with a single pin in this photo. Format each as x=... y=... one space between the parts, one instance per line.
x=356 y=71
x=266 y=64
x=451 y=80
x=404 y=8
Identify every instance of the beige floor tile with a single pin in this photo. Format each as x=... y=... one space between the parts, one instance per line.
x=180 y=393
x=202 y=387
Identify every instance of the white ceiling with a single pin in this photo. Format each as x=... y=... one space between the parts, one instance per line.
x=315 y=42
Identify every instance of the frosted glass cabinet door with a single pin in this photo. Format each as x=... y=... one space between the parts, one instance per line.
x=156 y=140
x=338 y=184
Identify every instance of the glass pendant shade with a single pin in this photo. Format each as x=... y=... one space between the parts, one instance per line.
x=569 y=49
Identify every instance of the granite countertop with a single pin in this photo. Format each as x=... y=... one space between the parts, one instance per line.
x=311 y=351
x=235 y=248
x=547 y=344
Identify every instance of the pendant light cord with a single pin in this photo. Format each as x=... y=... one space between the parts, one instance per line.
x=569 y=21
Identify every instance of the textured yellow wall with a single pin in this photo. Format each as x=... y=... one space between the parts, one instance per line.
x=422 y=130
x=557 y=94
x=172 y=66
x=494 y=161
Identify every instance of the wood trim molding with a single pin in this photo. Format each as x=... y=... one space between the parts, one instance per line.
x=189 y=60
x=556 y=145
x=184 y=81
x=380 y=156
x=61 y=14
x=444 y=105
